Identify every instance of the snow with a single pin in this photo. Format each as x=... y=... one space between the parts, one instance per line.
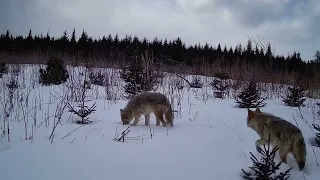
x=210 y=138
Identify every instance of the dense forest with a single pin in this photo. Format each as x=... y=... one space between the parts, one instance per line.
x=169 y=52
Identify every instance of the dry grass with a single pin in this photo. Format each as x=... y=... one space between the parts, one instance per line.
x=272 y=86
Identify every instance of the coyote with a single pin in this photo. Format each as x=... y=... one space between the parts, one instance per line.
x=144 y=104
x=287 y=137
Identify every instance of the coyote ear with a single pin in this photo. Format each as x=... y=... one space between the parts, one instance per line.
x=250 y=114
x=258 y=110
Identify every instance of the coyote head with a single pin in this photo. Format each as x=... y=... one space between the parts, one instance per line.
x=252 y=114
x=124 y=117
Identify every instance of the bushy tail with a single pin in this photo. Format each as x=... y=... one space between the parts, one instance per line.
x=299 y=151
x=169 y=114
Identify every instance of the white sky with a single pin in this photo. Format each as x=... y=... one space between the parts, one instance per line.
x=288 y=24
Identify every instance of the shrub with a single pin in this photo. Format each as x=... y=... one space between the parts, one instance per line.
x=221 y=75
x=220 y=87
x=55 y=73
x=98 y=78
x=3 y=69
x=196 y=82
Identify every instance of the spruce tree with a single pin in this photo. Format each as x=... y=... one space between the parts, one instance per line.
x=250 y=97
x=55 y=73
x=137 y=78
x=83 y=110
x=294 y=98
x=266 y=168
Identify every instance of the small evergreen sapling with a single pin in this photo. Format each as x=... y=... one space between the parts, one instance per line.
x=55 y=73
x=250 y=97
x=138 y=77
x=83 y=110
x=266 y=168
x=133 y=77
x=294 y=98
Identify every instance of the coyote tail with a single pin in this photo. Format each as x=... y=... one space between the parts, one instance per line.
x=299 y=151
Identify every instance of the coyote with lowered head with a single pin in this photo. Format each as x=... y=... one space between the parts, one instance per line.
x=287 y=137
x=144 y=104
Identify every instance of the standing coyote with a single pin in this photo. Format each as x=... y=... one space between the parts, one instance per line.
x=144 y=104
x=285 y=135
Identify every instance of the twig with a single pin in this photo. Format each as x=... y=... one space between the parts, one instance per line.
x=150 y=131
x=194 y=118
x=185 y=80
x=123 y=134
x=115 y=134
x=315 y=155
x=25 y=114
x=72 y=131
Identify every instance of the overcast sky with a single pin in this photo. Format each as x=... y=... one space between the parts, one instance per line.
x=288 y=24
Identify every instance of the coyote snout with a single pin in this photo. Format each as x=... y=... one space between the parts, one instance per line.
x=145 y=104
x=287 y=137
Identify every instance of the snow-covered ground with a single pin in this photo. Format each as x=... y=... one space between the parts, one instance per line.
x=210 y=139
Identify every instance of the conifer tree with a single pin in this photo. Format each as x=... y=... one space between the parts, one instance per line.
x=294 y=98
x=266 y=168
x=137 y=78
x=250 y=97
x=168 y=51
x=55 y=73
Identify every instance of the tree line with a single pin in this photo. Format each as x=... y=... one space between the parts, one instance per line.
x=169 y=52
